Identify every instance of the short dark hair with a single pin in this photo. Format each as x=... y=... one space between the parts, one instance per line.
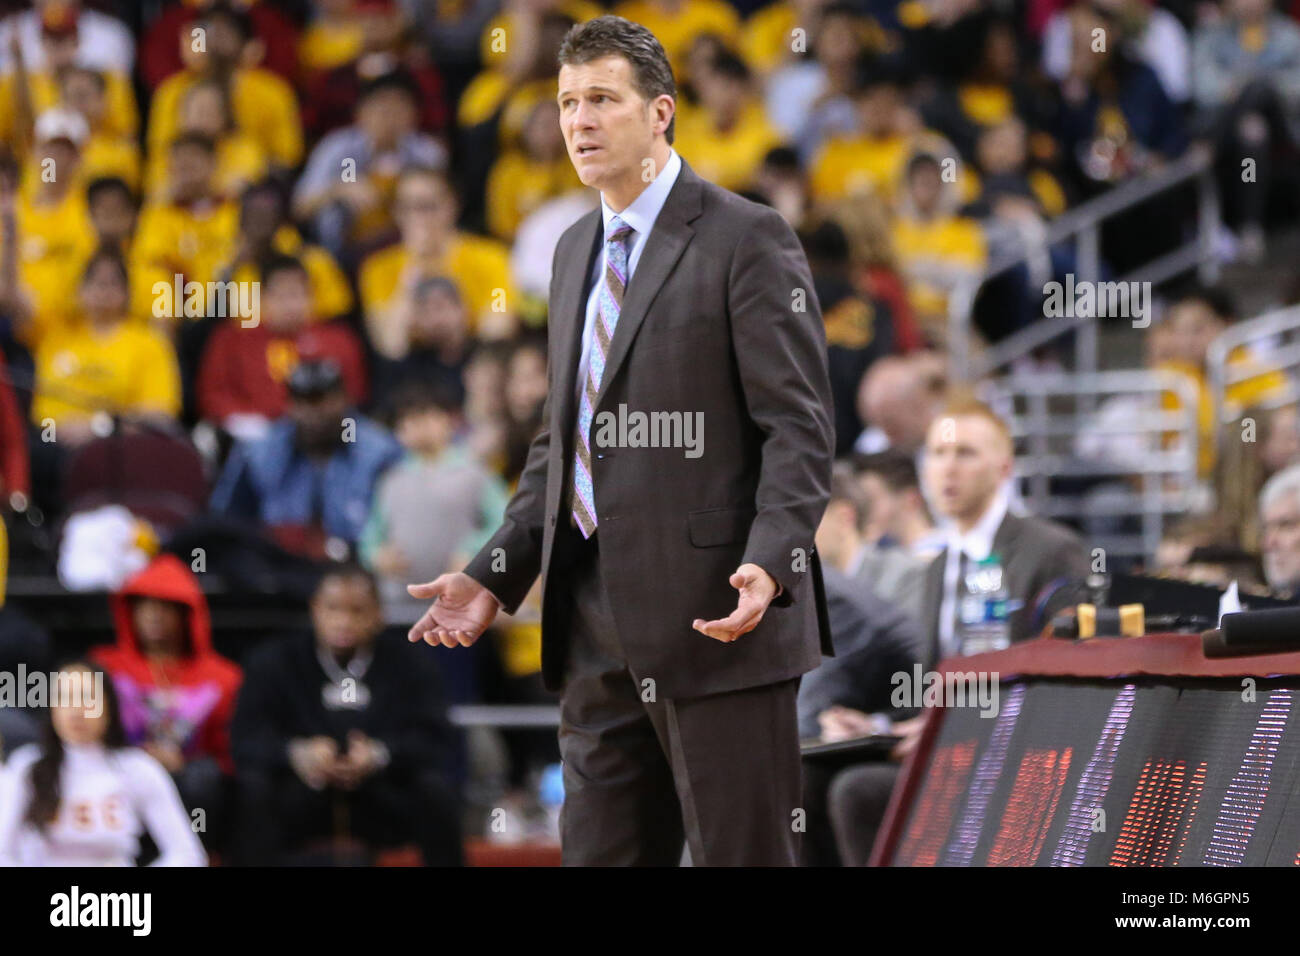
x=411 y=398
x=112 y=257
x=275 y=264
x=610 y=35
x=393 y=80
x=1217 y=299
x=895 y=469
x=347 y=571
x=108 y=184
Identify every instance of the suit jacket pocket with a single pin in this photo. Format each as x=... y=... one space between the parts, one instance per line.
x=717 y=526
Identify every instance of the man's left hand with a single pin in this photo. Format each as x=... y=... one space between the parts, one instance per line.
x=756 y=589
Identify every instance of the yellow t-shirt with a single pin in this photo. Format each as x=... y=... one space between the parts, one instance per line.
x=927 y=249
x=844 y=165
x=107 y=156
x=1243 y=394
x=330 y=294
x=517 y=185
x=676 y=29
x=731 y=158
x=240 y=162
x=194 y=242
x=54 y=243
x=263 y=104
x=325 y=45
x=480 y=267
x=129 y=369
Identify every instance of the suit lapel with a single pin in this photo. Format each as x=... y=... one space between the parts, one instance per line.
x=668 y=240
x=570 y=316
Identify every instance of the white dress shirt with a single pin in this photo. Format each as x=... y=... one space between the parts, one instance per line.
x=976 y=544
x=640 y=214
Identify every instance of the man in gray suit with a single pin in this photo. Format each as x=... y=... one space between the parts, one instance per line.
x=671 y=498
x=967 y=472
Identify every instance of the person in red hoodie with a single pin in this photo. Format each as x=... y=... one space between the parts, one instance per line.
x=244 y=370
x=177 y=694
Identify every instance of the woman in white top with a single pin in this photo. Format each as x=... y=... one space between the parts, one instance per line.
x=81 y=796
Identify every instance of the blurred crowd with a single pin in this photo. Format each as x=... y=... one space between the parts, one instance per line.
x=273 y=294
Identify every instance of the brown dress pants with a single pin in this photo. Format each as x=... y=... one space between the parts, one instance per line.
x=721 y=772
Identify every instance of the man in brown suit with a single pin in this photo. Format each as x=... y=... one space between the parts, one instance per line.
x=671 y=498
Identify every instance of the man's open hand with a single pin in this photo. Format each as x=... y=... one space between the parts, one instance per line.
x=462 y=610
x=756 y=589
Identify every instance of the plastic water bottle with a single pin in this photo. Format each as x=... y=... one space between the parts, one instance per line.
x=550 y=794
x=985 y=608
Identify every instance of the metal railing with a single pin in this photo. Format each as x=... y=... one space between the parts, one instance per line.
x=1272 y=344
x=1099 y=450
x=1083 y=224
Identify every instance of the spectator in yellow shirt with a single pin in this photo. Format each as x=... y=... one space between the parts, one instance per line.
x=936 y=248
x=107 y=152
x=241 y=161
x=191 y=234
x=536 y=170
x=1193 y=321
x=264 y=105
x=103 y=362
x=52 y=235
x=726 y=138
x=876 y=156
x=113 y=210
x=431 y=245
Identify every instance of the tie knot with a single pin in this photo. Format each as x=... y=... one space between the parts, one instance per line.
x=618 y=230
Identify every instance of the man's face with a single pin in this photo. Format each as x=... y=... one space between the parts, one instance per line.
x=438 y=320
x=1281 y=546
x=261 y=217
x=387 y=115
x=877 y=109
x=1192 y=327
x=84 y=94
x=608 y=128
x=319 y=420
x=424 y=210
x=191 y=171
x=286 y=301
x=345 y=614
x=103 y=290
x=925 y=186
x=113 y=216
x=966 y=460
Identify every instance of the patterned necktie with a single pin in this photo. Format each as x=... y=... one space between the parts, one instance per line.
x=609 y=304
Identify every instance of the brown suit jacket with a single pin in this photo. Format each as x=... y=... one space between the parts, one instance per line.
x=720 y=318
x=1034 y=553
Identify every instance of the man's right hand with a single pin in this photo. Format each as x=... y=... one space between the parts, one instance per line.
x=462 y=610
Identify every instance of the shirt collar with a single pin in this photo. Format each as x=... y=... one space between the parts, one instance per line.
x=977 y=543
x=642 y=212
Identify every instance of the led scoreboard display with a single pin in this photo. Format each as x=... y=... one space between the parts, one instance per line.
x=1161 y=759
